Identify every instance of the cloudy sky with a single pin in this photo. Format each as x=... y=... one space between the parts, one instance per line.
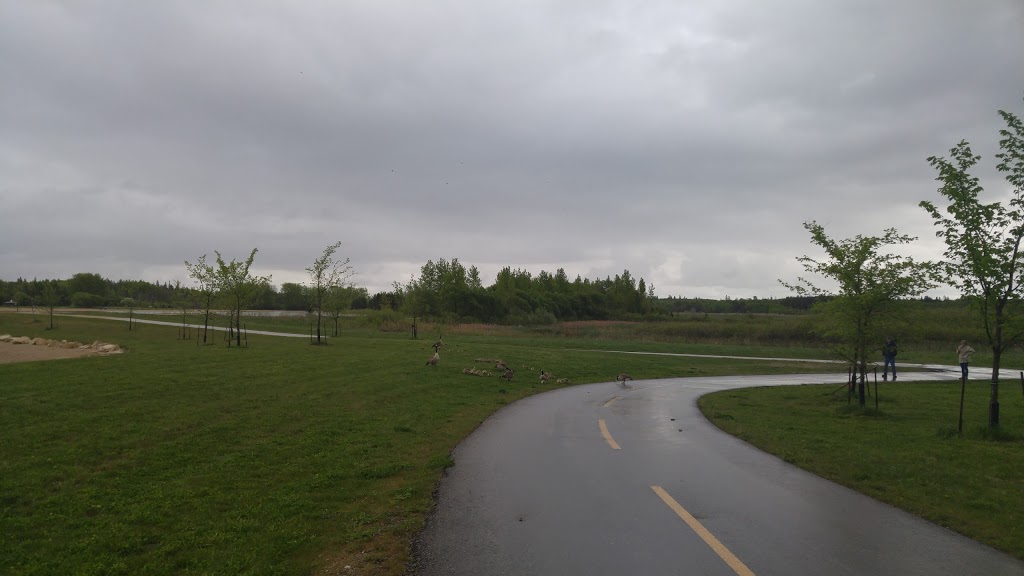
x=686 y=141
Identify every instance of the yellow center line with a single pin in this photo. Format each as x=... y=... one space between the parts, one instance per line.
x=611 y=401
x=739 y=567
x=607 y=435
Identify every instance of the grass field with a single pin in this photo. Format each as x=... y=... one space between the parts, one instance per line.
x=907 y=453
x=277 y=458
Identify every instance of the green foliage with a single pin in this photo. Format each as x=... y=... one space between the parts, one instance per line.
x=86 y=300
x=237 y=288
x=870 y=285
x=983 y=240
x=446 y=291
x=88 y=283
x=327 y=275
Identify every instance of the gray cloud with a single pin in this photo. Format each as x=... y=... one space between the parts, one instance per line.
x=684 y=141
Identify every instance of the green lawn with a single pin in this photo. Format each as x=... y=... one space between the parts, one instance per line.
x=907 y=453
x=277 y=458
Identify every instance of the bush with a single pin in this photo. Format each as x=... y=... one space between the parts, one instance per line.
x=86 y=300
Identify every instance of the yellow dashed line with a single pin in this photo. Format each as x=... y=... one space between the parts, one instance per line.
x=739 y=567
x=611 y=401
x=607 y=435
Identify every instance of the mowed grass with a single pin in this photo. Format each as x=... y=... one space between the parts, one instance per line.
x=906 y=453
x=276 y=458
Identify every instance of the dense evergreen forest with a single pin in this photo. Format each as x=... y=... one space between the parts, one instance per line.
x=444 y=291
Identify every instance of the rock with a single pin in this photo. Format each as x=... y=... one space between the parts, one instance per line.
x=109 y=348
x=40 y=342
x=70 y=345
x=6 y=338
x=21 y=340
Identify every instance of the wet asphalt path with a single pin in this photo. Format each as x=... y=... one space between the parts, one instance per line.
x=602 y=480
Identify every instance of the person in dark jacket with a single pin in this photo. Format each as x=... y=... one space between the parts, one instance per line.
x=889 y=354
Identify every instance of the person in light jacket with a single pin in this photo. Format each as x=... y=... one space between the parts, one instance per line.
x=963 y=353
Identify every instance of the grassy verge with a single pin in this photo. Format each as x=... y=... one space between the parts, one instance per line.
x=278 y=458
x=907 y=453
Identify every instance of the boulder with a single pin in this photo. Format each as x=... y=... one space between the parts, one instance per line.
x=40 y=342
x=69 y=345
x=5 y=338
x=21 y=340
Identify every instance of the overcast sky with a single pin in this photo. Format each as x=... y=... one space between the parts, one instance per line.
x=685 y=141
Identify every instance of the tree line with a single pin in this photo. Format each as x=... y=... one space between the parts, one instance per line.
x=90 y=290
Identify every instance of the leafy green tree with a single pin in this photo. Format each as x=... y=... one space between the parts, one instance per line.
x=21 y=299
x=325 y=274
x=237 y=287
x=869 y=281
x=293 y=296
x=90 y=284
x=983 y=241
x=206 y=289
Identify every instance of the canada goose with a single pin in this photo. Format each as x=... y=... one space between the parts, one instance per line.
x=544 y=377
x=508 y=374
x=435 y=358
x=501 y=366
x=438 y=343
x=622 y=377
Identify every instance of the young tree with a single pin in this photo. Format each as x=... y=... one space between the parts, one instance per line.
x=129 y=303
x=238 y=288
x=184 y=299
x=340 y=298
x=206 y=288
x=51 y=298
x=983 y=241
x=869 y=283
x=325 y=274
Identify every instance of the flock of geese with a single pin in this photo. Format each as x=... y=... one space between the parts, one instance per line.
x=507 y=372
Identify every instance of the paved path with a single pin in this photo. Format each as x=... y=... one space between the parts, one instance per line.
x=193 y=326
x=602 y=480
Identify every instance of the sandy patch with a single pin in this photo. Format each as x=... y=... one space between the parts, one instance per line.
x=27 y=353
x=24 y=349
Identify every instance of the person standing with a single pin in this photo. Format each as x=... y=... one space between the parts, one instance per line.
x=889 y=354
x=963 y=353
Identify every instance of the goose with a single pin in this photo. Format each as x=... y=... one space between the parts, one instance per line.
x=435 y=358
x=508 y=374
x=544 y=377
x=438 y=343
x=622 y=377
x=501 y=366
